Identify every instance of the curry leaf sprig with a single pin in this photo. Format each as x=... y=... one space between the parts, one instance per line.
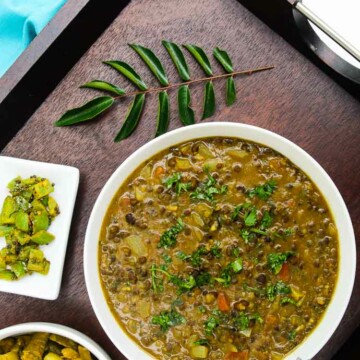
x=100 y=104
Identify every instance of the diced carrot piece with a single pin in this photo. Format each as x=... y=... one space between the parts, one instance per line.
x=240 y=355
x=125 y=201
x=270 y=321
x=223 y=302
x=159 y=171
x=284 y=273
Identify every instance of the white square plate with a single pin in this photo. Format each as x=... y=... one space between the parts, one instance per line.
x=66 y=181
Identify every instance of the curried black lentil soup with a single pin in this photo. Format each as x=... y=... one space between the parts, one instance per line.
x=218 y=248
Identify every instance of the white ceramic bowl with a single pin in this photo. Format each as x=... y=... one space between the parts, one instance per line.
x=347 y=262
x=78 y=337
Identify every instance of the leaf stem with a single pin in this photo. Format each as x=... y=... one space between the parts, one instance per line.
x=209 y=78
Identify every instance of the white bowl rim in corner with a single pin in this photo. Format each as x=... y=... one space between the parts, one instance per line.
x=347 y=266
x=56 y=329
x=66 y=179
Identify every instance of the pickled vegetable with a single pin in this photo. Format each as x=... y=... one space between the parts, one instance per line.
x=25 y=217
x=42 y=346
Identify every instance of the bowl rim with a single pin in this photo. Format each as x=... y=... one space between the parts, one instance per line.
x=332 y=316
x=57 y=329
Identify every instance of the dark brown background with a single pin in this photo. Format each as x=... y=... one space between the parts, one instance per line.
x=295 y=99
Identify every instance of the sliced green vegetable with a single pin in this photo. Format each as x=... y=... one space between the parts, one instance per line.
x=105 y=86
x=163 y=115
x=22 y=237
x=7 y=216
x=132 y=118
x=22 y=221
x=209 y=101
x=86 y=112
x=186 y=113
x=42 y=238
x=19 y=269
x=42 y=189
x=37 y=262
x=5 y=230
x=53 y=207
x=152 y=61
x=200 y=56
x=178 y=58
x=126 y=70
x=40 y=221
x=7 y=275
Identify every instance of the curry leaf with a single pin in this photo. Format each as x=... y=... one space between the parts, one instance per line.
x=230 y=91
x=103 y=85
x=209 y=100
x=132 y=118
x=200 y=56
x=152 y=62
x=126 y=70
x=178 y=59
x=186 y=113
x=162 y=122
x=223 y=58
x=86 y=112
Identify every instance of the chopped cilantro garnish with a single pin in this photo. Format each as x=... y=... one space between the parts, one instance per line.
x=287 y=300
x=208 y=189
x=239 y=321
x=216 y=250
x=167 y=319
x=288 y=232
x=175 y=181
x=258 y=231
x=276 y=260
x=202 y=309
x=266 y=220
x=182 y=256
x=250 y=218
x=236 y=252
x=237 y=265
x=211 y=324
x=238 y=209
x=167 y=258
x=183 y=284
x=156 y=281
x=168 y=238
x=204 y=278
x=246 y=235
x=292 y=335
x=264 y=191
x=279 y=288
x=227 y=272
x=242 y=321
x=201 y=342
x=196 y=257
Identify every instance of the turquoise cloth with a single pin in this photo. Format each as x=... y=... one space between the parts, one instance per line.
x=20 y=22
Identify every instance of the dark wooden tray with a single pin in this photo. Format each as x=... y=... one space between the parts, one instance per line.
x=296 y=100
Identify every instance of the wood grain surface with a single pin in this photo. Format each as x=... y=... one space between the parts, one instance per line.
x=295 y=99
